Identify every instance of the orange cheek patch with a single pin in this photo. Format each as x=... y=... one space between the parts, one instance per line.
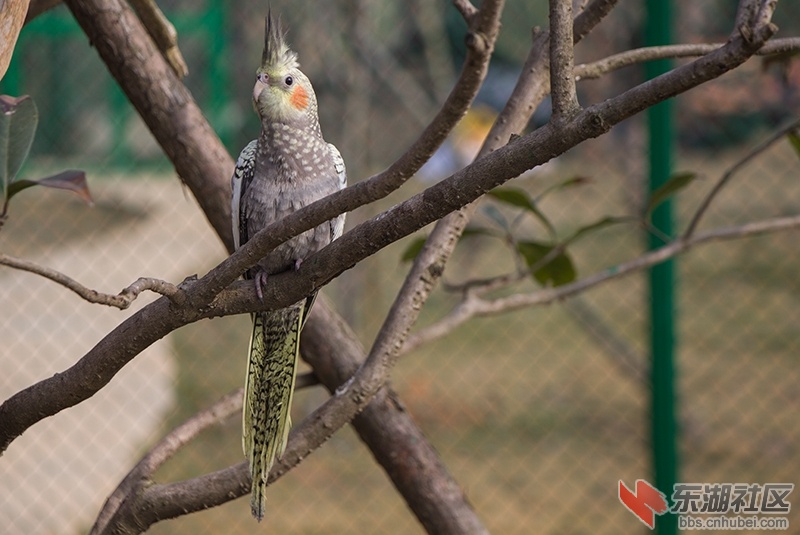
x=299 y=98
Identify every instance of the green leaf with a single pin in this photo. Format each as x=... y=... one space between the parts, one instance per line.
x=555 y=271
x=479 y=231
x=520 y=199
x=674 y=184
x=18 y=120
x=513 y=196
x=73 y=180
x=497 y=216
x=794 y=139
x=565 y=184
x=413 y=249
x=601 y=223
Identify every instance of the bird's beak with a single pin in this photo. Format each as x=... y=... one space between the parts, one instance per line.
x=257 y=90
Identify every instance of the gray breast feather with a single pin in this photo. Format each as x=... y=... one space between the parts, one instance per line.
x=278 y=182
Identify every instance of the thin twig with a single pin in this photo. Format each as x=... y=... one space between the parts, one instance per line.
x=473 y=306
x=466 y=9
x=163 y=33
x=726 y=177
x=121 y=300
x=486 y=285
x=606 y=65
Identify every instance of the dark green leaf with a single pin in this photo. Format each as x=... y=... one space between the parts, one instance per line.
x=568 y=183
x=601 y=223
x=674 y=184
x=550 y=267
x=521 y=199
x=74 y=181
x=497 y=216
x=794 y=139
x=513 y=196
x=413 y=249
x=479 y=231
x=18 y=120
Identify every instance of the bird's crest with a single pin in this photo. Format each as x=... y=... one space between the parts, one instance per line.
x=276 y=51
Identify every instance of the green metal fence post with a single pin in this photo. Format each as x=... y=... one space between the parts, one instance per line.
x=661 y=278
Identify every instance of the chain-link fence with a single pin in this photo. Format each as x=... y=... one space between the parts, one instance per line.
x=537 y=413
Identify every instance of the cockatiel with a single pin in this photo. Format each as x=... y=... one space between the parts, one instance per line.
x=289 y=166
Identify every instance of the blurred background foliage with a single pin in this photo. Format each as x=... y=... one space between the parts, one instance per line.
x=537 y=413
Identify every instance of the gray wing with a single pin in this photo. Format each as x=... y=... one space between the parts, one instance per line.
x=337 y=224
x=240 y=181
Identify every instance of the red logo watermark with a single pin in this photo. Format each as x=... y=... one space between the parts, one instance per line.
x=720 y=506
x=645 y=503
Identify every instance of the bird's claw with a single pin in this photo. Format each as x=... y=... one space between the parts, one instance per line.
x=260 y=279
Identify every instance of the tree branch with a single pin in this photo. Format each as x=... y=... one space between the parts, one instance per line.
x=606 y=65
x=165 y=104
x=121 y=300
x=466 y=9
x=389 y=431
x=163 y=33
x=158 y=319
x=725 y=178
x=131 y=486
x=37 y=7
x=562 y=61
x=472 y=305
x=590 y=17
x=12 y=17
x=122 y=504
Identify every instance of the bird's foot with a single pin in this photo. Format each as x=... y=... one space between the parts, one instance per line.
x=297 y=263
x=260 y=279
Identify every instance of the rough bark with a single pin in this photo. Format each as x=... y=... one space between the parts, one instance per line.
x=12 y=17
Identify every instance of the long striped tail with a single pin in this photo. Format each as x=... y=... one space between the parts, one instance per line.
x=269 y=385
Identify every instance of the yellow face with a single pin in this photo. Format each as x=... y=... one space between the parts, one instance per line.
x=281 y=95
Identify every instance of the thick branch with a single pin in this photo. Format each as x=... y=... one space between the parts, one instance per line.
x=562 y=61
x=12 y=17
x=158 y=319
x=164 y=103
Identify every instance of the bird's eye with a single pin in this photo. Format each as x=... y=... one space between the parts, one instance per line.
x=262 y=77
x=288 y=80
